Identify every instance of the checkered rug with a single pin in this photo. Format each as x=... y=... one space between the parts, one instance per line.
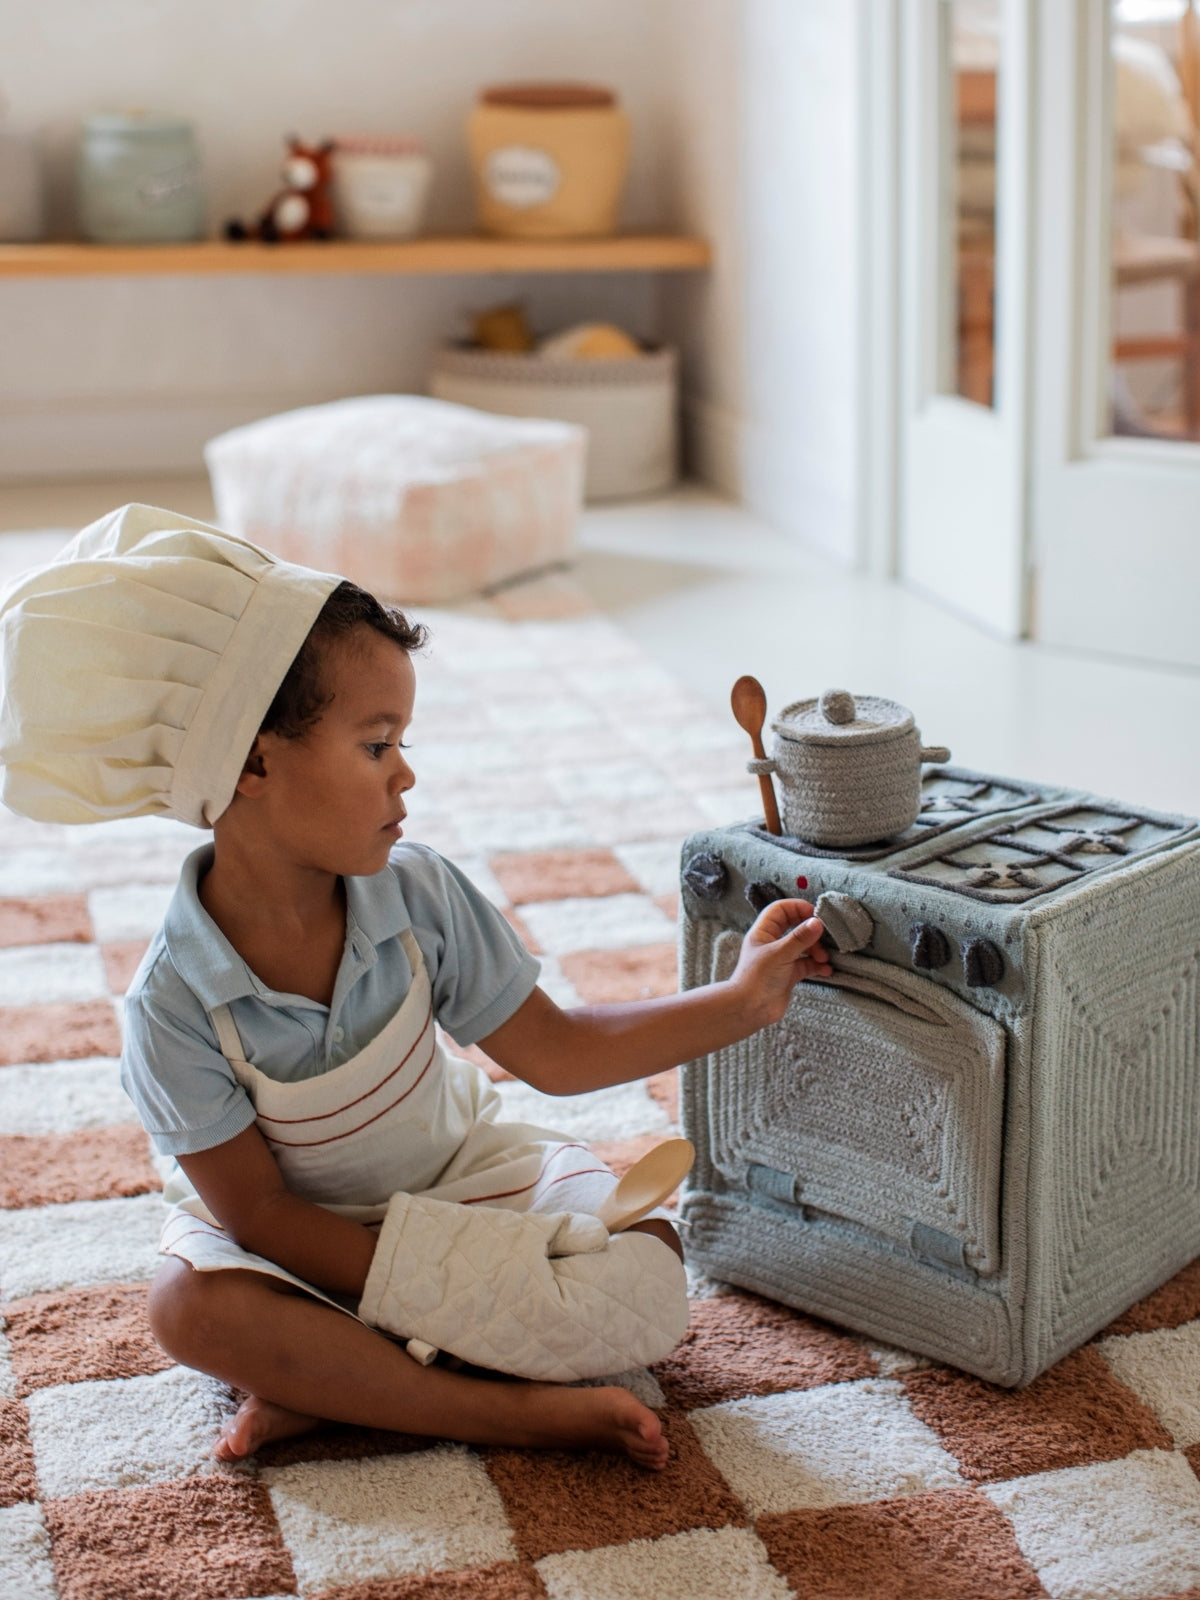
x=561 y=768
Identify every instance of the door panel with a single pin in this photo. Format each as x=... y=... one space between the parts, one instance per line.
x=964 y=194
x=1115 y=470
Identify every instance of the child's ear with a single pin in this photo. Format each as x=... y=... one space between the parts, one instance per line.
x=254 y=771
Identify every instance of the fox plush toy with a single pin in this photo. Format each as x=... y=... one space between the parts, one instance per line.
x=303 y=208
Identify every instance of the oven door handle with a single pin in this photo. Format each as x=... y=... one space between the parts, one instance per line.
x=876 y=990
x=728 y=946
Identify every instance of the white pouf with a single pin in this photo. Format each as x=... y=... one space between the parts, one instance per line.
x=414 y=499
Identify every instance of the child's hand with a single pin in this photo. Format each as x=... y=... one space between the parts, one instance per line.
x=782 y=947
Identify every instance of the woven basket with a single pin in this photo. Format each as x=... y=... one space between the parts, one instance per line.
x=629 y=406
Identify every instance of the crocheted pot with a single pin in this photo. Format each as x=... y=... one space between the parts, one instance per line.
x=849 y=767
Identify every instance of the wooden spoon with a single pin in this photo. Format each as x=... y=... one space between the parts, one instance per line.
x=749 y=702
x=647 y=1183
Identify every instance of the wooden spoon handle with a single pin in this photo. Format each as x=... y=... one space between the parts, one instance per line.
x=767 y=790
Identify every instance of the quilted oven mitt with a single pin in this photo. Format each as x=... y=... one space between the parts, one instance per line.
x=538 y=1295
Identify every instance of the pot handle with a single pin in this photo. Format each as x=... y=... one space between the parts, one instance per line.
x=762 y=766
x=934 y=752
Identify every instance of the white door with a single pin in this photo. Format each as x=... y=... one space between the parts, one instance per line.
x=964 y=370
x=1115 y=466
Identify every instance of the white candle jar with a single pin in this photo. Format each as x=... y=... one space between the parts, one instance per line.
x=380 y=185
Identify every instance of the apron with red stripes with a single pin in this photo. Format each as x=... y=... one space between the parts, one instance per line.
x=403 y=1115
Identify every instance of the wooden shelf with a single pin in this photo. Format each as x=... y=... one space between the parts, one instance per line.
x=446 y=253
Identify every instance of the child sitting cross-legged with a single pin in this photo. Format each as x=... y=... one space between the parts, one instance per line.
x=338 y=1182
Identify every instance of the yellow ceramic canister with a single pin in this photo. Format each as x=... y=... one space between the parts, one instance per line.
x=549 y=160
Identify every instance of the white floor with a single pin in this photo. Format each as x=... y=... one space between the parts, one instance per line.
x=713 y=592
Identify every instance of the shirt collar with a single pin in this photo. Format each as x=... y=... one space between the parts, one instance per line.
x=212 y=968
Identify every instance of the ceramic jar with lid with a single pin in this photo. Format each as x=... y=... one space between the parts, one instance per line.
x=139 y=179
x=849 y=767
x=549 y=160
x=380 y=185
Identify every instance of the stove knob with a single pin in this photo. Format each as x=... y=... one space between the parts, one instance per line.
x=930 y=946
x=847 y=922
x=761 y=894
x=983 y=965
x=706 y=876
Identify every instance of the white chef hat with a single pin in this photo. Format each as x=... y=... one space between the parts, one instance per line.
x=138 y=667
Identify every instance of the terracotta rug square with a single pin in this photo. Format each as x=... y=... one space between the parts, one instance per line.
x=951 y=1544
x=18 y=1480
x=611 y=977
x=504 y=1580
x=89 y=1164
x=1176 y=1302
x=80 y=1335
x=739 y=1344
x=557 y=1501
x=202 y=1538
x=63 y=1031
x=1073 y=1414
x=44 y=919
x=562 y=875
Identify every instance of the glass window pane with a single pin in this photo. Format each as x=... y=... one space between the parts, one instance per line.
x=971 y=38
x=1154 y=382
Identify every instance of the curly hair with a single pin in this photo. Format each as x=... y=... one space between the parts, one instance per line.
x=302 y=697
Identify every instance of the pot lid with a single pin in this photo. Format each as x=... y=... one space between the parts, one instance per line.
x=837 y=716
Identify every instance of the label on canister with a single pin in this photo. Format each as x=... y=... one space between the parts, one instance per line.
x=521 y=176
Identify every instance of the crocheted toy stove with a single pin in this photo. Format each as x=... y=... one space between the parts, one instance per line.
x=979 y=1140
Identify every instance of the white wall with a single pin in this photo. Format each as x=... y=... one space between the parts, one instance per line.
x=766 y=163
x=746 y=122
x=133 y=374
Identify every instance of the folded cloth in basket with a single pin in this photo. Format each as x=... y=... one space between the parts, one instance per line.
x=538 y=1295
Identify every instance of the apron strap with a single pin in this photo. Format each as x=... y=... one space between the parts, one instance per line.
x=228 y=1037
x=412 y=950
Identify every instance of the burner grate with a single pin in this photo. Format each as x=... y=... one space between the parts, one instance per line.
x=1018 y=860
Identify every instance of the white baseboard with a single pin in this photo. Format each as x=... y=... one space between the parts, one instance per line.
x=96 y=437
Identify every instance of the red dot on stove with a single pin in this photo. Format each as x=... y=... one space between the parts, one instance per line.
x=802 y=882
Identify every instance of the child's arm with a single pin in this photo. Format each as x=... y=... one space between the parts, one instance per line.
x=592 y=1047
x=241 y=1184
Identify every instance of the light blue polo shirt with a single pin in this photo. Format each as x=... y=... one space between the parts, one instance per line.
x=172 y=1068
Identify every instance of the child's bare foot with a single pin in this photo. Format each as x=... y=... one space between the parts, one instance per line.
x=256 y=1423
x=604 y=1419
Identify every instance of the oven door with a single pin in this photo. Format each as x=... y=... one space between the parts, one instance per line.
x=878 y=1101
